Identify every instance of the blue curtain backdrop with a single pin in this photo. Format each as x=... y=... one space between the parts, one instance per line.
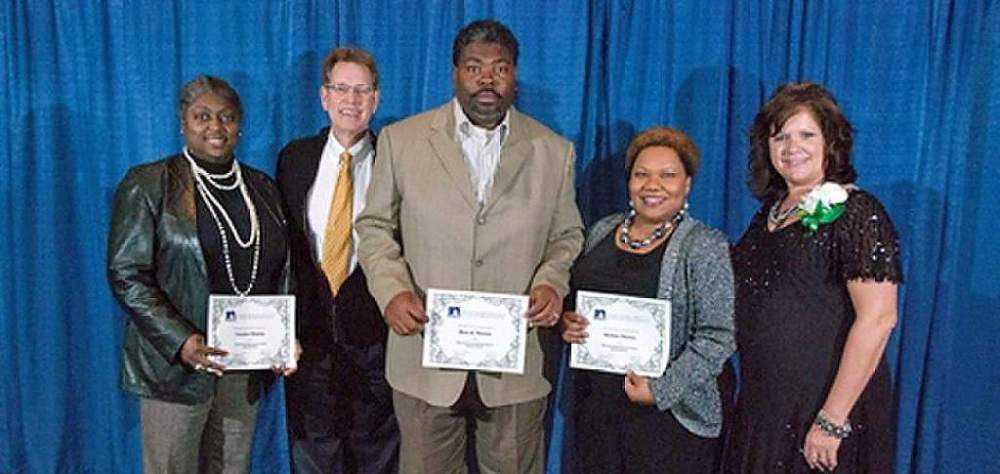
x=89 y=89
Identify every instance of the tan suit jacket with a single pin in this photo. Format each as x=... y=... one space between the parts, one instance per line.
x=422 y=227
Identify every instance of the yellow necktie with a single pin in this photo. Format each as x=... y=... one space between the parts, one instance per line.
x=337 y=238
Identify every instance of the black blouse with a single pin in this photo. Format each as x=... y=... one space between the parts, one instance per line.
x=272 y=246
x=609 y=269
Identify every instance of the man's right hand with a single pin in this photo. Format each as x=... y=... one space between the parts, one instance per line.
x=405 y=313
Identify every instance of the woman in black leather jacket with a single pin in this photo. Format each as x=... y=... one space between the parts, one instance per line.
x=184 y=227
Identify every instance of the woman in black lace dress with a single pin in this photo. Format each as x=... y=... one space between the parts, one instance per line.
x=816 y=276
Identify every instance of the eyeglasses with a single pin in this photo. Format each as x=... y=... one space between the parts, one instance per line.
x=364 y=90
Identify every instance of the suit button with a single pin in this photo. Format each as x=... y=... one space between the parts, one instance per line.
x=479 y=263
x=481 y=220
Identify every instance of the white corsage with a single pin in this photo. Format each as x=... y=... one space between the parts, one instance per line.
x=823 y=205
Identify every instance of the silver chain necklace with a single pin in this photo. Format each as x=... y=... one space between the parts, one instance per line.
x=776 y=217
x=215 y=208
x=658 y=232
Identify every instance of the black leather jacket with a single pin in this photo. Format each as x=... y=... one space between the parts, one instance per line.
x=157 y=271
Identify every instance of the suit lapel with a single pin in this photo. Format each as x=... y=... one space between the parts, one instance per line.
x=302 y=175
x=309 y=166
x=449 y=153
x=180 y=201
x=512 y=158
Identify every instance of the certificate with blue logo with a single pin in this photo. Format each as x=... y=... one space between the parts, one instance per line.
x=625 y=332
x=258 y=331
x=473 y=330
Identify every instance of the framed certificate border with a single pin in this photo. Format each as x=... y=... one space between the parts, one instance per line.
x=659 y=310
x=283 y=309
x=438 y=304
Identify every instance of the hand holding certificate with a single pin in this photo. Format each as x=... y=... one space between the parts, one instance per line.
x=257 y=331
x=624 y=333
x=475 y=331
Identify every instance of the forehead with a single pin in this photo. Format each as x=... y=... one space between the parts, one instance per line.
x=346 y=71
x=485 y=52
x=211 y=101
x=657 y=156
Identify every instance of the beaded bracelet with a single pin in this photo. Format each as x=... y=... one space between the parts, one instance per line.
x=831 y=428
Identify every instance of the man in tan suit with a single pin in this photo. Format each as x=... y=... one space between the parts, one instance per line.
x=472 y=195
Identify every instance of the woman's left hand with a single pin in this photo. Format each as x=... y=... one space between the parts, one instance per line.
x=820 y=449
x=637 y=389
x=288 y=371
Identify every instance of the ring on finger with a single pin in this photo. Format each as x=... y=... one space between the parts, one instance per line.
x=199 y=367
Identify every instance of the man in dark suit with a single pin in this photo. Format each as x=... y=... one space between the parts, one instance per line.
x=339 y=406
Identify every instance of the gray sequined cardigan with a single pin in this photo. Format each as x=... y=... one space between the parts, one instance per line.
x=697 y=277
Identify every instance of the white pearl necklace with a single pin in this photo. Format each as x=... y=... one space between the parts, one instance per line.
x=201 y=177
x=215 y=208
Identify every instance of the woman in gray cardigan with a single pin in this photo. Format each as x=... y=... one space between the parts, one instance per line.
x=669 y=423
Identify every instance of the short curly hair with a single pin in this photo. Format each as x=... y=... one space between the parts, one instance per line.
x=789 y=99
x=668 y=137
x=484 y=31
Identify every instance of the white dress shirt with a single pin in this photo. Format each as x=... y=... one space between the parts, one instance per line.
x=481 y=150
x=321 y=194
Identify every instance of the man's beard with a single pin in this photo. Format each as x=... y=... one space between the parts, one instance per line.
x=487 y=114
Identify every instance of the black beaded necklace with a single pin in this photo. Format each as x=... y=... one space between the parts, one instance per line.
x=658 y=232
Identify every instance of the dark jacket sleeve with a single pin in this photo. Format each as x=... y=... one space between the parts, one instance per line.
x=282 y=177
x=132 y=264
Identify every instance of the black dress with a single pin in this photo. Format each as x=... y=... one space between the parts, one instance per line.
x=612 y=434
x=793 y=313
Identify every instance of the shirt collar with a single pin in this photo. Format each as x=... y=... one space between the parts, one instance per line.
x=359 y=151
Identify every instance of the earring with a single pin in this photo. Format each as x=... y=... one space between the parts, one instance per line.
x=681 y=213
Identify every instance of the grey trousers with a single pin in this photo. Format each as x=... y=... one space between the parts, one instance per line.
x=509 y=438
x=210 y=437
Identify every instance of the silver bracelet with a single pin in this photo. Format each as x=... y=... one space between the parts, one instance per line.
x=831 y=428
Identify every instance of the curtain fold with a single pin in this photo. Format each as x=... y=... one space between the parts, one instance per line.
x=90 y=89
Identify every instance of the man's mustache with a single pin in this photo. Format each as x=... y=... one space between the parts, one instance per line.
x=487 y=90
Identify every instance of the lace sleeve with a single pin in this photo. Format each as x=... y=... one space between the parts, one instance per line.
x=867 y=247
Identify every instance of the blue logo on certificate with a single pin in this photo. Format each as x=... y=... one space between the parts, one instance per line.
x=230 y=315
x=454 y=312
x=600 y=315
